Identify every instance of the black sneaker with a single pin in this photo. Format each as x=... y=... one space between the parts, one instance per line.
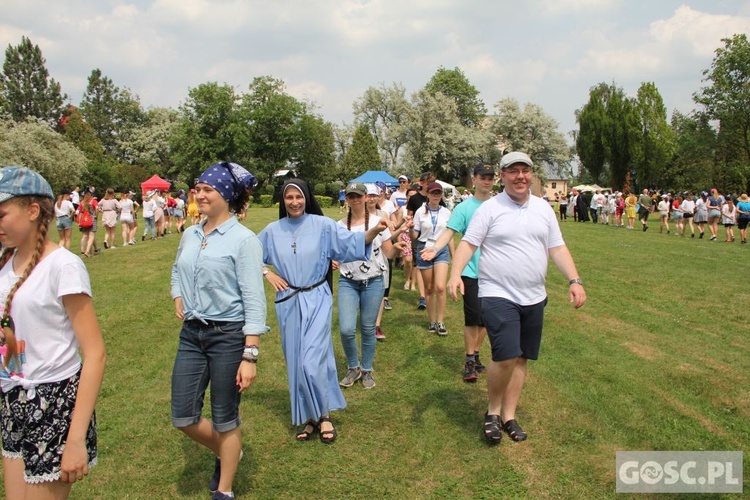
x=433 y=328
x=213 y=483
x=422 y=303
x=387 y=305
x=470 y=372
x=478 y=364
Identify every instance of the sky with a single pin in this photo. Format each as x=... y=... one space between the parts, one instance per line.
x=546 y=52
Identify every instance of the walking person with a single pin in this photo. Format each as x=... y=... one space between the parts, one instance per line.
x=109 y=207
x=701 y=213
x=192 y=208
x=644 y=209
x=87 y=223
x=149 y=208
x=474 y=331
x=715 y=203
x=217 y=289
x=743 y=216
x=729 y=218
x=127 y=218
x=48 y=399
x=630 y=209
x=679 y=221
x=361 y=288
x=517 y=234
x=414 y=203
x=300 y=246
x=688 y=212
x=664 y=207
x=64 y=213
x=429 y=223
x=563 y=208
x=179 y=212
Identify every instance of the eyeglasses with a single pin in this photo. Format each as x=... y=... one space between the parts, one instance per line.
x=436 y=192
x=514 y=172
x=403 y=182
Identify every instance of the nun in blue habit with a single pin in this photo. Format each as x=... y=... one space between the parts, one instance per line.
x=300 y=246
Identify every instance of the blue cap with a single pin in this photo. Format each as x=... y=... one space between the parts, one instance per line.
x=22 y=181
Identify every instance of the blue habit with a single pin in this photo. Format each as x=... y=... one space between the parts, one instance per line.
x=300 y=249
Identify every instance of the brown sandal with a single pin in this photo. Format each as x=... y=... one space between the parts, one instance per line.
x=327 y=437
x=304 y=434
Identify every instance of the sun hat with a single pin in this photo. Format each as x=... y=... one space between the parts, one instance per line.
x=515 y=157
x=356 y=188
x=403 y=178
x=22 y=181
x=743 y=197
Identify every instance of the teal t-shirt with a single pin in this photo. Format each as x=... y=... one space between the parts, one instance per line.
x=459 y=222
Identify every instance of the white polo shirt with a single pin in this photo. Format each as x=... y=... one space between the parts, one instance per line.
x=515 y=241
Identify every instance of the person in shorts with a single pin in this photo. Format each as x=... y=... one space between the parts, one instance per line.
x=515 y=250
x=47 y=446
x=644 y=202
x=474 y=331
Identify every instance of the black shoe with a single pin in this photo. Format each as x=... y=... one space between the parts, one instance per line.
x=143 y=238
x=213 y=483
x=470 y=372
x=478 y=364
x=700 y=236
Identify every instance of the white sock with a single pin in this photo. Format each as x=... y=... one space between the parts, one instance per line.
x=230 y=494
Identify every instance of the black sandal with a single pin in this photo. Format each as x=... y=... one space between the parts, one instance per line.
x=327 y=437
x=492 y=432
x=304 y=434
x=514 y=431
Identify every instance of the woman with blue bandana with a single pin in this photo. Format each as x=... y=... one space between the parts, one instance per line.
x=217 y=288
x=300 y=247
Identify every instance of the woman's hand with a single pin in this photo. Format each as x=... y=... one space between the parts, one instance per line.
x=334 y=264
x=245 y=375
x=179 y=309
x=277 y=282
x=75 y=461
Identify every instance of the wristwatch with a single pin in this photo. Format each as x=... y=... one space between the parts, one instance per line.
x=574 y=281
x=250 y=353
x=265 y=270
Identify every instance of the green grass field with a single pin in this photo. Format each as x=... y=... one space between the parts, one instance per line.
x=657 y=359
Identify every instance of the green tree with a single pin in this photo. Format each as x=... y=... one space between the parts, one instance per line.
x=656 y=140
x=206 y=131
x=727 y=97
x=149 y=145
x=26 y=89
x=315 y=157
x=532 y=131
x=33 y=144
x=79 y=133
x=362 y=155
x=384 y=110
x=454 y=84
x=592 y=122
x=693 y=166
x=438 y=139
x=113 y=113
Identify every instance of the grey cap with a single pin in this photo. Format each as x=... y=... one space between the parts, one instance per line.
x=515 y=157
x=22 y=181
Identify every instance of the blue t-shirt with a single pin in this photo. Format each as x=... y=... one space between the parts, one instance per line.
x=342 y=195
x=458 y=222
x=745 y=207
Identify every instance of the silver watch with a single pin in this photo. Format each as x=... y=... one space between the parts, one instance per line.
x=574 y=281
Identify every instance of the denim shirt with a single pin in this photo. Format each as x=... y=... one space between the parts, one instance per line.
x=219 y=276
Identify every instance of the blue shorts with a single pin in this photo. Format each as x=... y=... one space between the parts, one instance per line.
x=35 y=427
x=443 y=257
x=64 y=222
x=514 y=331
x=207 y=354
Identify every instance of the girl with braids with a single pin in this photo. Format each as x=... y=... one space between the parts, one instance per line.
x=64 y=212
x=217 y=288
x=48 y=396
x=361 y=287
x=300 y=246
x=429 y=223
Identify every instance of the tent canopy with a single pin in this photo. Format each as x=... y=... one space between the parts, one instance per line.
x=155 y=182
x=373 y=176
x=448 y=189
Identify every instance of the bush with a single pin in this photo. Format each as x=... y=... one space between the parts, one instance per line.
x=332 y=189
x=266 y=200
x=319 y=189
x=334 y=201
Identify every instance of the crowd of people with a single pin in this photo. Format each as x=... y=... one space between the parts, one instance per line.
x=217 y=289
x=684 y=211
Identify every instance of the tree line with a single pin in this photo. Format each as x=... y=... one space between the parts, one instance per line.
x=108 y=139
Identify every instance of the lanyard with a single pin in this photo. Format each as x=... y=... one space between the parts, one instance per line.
x=434 y=217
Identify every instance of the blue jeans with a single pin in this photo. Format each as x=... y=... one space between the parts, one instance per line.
x=150 y=227
x=365 y=296
x=207 y=354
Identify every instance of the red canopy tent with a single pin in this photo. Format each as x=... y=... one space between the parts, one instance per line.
x=155 y=182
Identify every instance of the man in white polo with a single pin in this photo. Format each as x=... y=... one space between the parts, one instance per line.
x=517 y=234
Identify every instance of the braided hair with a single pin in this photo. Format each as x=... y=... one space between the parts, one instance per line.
x=46 y=212
x=349 y=219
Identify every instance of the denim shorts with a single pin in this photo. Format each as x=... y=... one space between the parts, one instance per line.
x=443 y=256
x=207 y=354
x=64 y=222
x=35 y=427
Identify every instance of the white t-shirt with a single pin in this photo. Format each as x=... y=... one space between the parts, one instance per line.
x=515 y=241
x=51 y=350
x=663 y=207
x=377 y=265
x=75 y=198
x=432 y=224
x=65 y=209
x=388 y=207
x=688 y=207
x=398 y=198
x=148 y=208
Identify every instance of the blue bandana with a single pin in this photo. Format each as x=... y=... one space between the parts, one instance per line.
x=229 y=179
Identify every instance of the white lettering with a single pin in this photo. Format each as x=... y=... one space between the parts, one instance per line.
x=715 y=469
x=671 y=474
x=651 y=472
x=729 y=479
x=629 y=472
x=684 y=476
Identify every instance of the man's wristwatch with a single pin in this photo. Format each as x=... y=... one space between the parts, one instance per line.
x=265 y=270
x=250 y=353
x=574 y=281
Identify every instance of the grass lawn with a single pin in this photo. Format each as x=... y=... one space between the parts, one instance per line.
x=658 y=359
